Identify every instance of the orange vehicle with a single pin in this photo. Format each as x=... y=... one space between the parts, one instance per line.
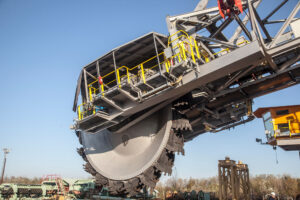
x=282 y=126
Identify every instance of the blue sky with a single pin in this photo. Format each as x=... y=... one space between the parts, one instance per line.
x=44 y=45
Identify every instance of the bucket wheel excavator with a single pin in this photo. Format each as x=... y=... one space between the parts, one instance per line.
x=142 y=101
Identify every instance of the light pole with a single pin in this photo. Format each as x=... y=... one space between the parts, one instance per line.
x=6 y=151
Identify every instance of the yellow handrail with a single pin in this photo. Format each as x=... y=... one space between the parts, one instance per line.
x=182 y=54
x=192 y=49
x=228 y=50
x=92 y=91
x=142 y=70
x=223 y=50
x=81 y=113
x=185 y=33
x=245 y=41
x=93 y=82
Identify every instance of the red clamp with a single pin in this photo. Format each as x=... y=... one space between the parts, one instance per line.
x=100 y=80
x=226 y=7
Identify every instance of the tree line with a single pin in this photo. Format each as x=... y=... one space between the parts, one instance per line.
x=22 y=180
x=261 y=185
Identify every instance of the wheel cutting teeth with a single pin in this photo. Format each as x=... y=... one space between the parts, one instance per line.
x=80 y=151
x=151 y=176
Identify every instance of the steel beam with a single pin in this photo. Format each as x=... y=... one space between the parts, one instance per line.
x=85 y=86
x=115 y=66
x=269 y=39
x=238 y=30
x=160 y=42
x=92 y=76
x=286 y=24
x=280 y=21
x=223 y=43
x=236 y=77
x=274 y=11
x=194 y=14
x=259 y=37
x=156 y=51
x=221 y=27
x=243 y=27
x=98 y=74
x=201 y=5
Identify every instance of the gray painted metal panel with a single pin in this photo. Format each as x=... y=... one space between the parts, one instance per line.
x=239 y=59
x=289 y=144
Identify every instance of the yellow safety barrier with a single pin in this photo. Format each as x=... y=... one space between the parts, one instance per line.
x=189 y=43
x=92 y=92
x=224 y=50
x=182 y=55
x=79 y=112
x=228 y=50
x=187 y=46
x=245 y=41
x=180 y=31
x=82 y=112
x=289 y=127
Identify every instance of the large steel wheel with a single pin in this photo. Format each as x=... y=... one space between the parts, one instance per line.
x=130 y=160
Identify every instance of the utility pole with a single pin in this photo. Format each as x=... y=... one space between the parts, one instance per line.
x=6 y=151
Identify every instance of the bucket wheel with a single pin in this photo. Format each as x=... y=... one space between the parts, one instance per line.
x=128 y=161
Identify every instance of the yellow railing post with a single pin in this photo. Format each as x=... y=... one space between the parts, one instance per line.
x=128 y=77
x=167 y=65
x=143 y=74
x=118 y=77
x=290 y=128
x=90 y=92
x=206 y=59
x=192 y=50
x=178 y=55
x=102 y=89
x=183 y=51
x=274 y=128
x=79 y=112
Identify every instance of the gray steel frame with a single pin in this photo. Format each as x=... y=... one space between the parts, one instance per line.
x=262 y=61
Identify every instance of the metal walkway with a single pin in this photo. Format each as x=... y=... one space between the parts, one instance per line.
x=154 y=70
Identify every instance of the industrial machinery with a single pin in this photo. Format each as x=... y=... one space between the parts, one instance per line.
x=84 y=189
x=20 y=191
x=8 y=191
x=234 y=182
x=193 y=195
x=55 y=185
x=143 y=194
x=282 y=126
x=141 y=101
